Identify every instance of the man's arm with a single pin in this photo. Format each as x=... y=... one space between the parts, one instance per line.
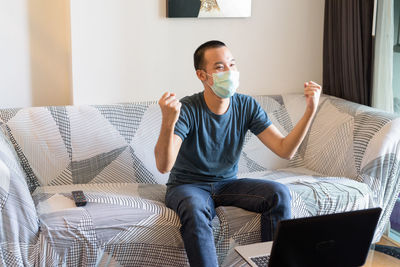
x=168 y=144
x=286 y=147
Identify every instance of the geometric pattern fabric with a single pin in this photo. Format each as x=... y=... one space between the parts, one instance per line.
x=348 y=160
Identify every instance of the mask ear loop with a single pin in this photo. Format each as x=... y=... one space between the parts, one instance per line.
x=206 y=73
x=207 y=79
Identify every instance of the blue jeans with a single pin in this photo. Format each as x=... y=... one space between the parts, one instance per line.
x=195 y=205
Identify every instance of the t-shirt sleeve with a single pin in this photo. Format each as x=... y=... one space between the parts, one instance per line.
x=182 y=126
x=259 y=120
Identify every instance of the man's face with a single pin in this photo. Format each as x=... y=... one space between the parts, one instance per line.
x=216 y=60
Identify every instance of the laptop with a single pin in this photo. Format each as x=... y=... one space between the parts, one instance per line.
x=339 y=240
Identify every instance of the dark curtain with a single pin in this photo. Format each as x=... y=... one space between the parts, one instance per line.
x=347 y=56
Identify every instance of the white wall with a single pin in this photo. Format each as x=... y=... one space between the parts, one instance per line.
x=35 y=56
x=14 y=54
x=126 y=50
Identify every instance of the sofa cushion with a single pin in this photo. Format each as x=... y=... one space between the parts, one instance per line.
x=123 y=224
x=19 y=225
x=128 y=223
x=85 y=144
x=315 y=194
x=312 y=194
x=255 y=156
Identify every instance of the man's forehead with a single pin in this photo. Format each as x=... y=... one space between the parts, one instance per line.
x=219 y=54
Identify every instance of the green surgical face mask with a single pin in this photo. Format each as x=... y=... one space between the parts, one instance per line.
x=225 y=83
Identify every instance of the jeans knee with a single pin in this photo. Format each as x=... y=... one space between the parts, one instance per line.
x=284 y=193
x=194 y=209
x=283 y=199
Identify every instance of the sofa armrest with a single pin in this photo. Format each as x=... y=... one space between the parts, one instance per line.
x=19 y=225
x=358 y=142
x=380 y=162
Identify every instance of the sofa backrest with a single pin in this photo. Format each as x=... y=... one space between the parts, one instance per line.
x=115 y=143
x=109 y=143
x=84 y=144
x=255 y=156
x=348 y=139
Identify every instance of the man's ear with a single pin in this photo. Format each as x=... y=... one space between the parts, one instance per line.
x=201 y=75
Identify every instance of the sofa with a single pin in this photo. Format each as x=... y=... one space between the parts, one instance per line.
x=349 y=160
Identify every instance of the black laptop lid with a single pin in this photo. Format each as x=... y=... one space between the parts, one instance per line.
x=340 y=240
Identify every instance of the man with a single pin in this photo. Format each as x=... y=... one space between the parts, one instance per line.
x=200 y=141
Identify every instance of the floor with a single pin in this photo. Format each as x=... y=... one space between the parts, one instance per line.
x=387 y=242
x=382 y=260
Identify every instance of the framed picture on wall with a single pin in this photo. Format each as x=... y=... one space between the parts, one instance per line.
x=208 y=8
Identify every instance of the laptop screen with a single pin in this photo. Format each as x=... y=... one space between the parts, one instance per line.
x=341 y=239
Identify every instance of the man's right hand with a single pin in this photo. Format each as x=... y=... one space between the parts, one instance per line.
x=170 y=109
x=168 y=144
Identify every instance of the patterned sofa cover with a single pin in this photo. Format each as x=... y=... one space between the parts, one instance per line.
x=349 y=160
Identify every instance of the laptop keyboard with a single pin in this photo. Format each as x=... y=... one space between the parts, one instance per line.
x=261 y=261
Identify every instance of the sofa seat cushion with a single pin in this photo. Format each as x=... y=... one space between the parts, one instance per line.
x=312 y=194
x=128 y=224
x=317 y=194
x=121 y=225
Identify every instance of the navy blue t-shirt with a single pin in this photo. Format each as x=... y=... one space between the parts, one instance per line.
x=212 y=143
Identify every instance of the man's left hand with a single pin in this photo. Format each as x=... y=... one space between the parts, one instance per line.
x=312 y=92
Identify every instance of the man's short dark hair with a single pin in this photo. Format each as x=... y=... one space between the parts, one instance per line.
x=198 y=56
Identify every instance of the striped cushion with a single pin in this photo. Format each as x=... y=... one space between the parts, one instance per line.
x=86 y=144
x=19 y=225
x=123 y=224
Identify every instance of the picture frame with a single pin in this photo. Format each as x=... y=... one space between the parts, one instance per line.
x=208 y=8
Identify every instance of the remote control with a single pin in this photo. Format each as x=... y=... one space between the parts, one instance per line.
x=79 y=198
